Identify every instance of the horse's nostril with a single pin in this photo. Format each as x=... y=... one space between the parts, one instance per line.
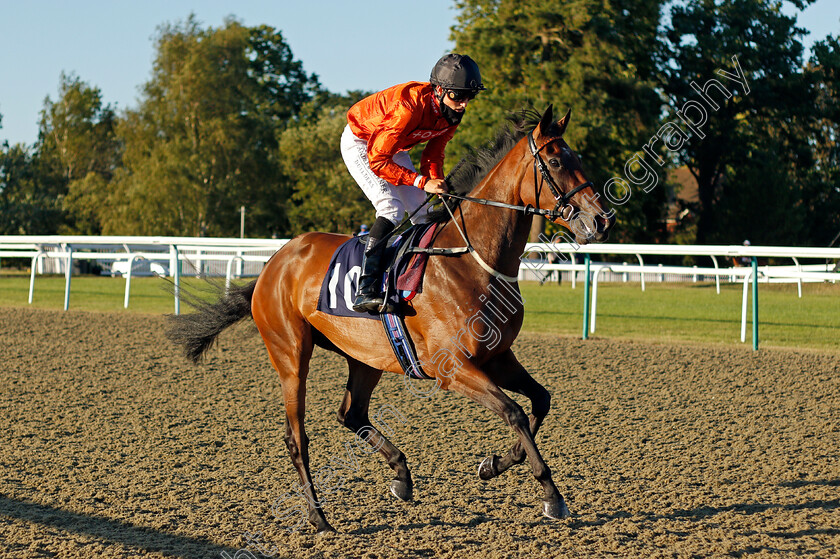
x=606 y=224
x=603 y=225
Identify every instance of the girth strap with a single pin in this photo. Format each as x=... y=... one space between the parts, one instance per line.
x=402 y=345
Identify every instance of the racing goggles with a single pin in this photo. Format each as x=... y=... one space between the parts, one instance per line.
x=459 y=95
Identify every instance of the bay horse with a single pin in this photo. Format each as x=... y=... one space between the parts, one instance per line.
x=525 y=173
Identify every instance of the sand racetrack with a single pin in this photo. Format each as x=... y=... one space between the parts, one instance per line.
x=114 y=446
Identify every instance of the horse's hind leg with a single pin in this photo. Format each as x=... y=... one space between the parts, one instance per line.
x=509 y=374
x=353 y=414
x=291 y=359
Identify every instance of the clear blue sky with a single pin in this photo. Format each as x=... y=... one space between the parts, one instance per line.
x=366 y=45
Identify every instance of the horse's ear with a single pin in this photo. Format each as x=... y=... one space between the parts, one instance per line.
x=547 y=120
x=564 y=122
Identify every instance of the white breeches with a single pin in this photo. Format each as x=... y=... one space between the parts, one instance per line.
x=390 y=201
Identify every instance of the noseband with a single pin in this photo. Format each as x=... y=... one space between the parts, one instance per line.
x=561 y=199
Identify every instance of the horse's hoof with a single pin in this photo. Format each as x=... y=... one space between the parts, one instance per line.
x=326 y=529
x=402 y=490
x=556 y=510
x=487 y=468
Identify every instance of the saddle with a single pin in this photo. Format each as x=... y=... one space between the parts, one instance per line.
x=405 y=266
x=406 y=258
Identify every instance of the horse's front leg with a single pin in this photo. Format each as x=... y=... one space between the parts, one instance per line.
x=476 y=385
x=506 y=371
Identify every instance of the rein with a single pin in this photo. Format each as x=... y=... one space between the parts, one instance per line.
x=527 y=209
x=562 y=201
x=469 y=248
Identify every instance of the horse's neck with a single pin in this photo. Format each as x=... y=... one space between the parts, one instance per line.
x=497 y=234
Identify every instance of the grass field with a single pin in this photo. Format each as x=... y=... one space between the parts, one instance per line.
x=672 y=312
x=666 y=312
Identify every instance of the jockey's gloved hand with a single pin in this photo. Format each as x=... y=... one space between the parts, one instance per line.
x=436 y=186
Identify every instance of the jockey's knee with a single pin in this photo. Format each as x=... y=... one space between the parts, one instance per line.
x=392 y=210
x=381 y=228
x=393 y=214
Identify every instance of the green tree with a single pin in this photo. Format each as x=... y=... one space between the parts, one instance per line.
x=821 y=193
x=752 y=147
x=77 y=138
x=596 y=57
x=30 y=193
x=324 y=195
x=203 y=141
x=762 y=205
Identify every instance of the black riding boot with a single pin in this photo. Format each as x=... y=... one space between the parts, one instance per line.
x=368 y=297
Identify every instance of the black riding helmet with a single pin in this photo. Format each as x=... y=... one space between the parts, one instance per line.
x=457 y=71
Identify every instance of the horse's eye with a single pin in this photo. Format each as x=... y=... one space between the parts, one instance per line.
x=554 y=163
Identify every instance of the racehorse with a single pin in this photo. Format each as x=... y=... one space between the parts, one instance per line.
x=526 y=172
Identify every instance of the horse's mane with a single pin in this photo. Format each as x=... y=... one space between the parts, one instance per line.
x=474 y=166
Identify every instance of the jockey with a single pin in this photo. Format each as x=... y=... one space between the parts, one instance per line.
x=380 y=130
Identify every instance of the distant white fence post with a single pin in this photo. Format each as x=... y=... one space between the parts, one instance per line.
x=642 y=273
x=798 y=280
x=128 y=276
x=717 y=276
x=175 y=270
x=32 y=273
x=239 y=260
x=68 y=273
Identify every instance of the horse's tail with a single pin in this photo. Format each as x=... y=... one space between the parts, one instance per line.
x=197 y=331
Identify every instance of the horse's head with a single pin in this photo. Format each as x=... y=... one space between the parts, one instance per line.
x=560 y=184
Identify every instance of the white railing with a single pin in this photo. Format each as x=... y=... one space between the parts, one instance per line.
x=171 y=254
x=753 y=274
x=177 y=256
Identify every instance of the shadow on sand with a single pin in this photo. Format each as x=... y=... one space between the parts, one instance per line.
x=140 y=538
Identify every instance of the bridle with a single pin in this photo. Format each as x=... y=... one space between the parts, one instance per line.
x=561 y=199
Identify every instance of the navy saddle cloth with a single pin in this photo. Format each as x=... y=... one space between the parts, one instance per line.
x=404 y=271
x=339 y=286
